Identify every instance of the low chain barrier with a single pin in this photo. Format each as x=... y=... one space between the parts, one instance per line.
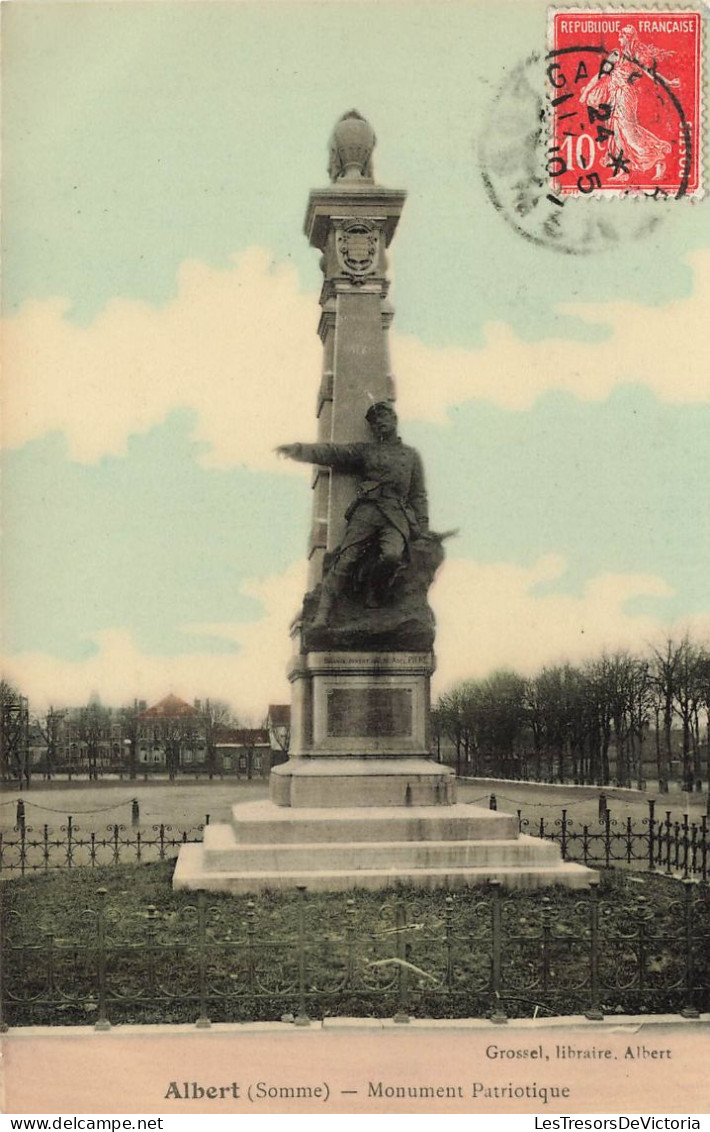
x=482 y=953
x=675 y=846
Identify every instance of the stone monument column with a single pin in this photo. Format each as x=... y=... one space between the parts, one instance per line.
x=352 y=222
x=360 y=802
x=360 y=684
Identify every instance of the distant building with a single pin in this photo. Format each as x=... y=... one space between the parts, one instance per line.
x=88 y=739
x=243 y=751
x=173 y=734
x=278 y=722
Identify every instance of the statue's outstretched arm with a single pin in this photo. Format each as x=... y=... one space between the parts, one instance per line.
x=341 y=457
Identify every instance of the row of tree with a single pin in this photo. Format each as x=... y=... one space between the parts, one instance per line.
x=576 y=722
x=97 y=731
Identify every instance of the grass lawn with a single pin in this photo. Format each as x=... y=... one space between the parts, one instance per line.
x=361 y=951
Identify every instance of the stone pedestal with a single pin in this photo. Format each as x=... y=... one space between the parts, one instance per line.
x=360 y=733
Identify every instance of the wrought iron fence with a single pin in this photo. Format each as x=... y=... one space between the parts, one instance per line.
x=676 y=847
x=483 y=952
x=26 y=850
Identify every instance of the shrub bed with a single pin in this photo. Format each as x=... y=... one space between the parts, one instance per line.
x=117 y=942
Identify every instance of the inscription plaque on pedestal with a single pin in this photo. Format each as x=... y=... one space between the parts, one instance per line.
x=376 y=712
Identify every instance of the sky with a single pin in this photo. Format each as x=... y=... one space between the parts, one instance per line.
x=160 y=305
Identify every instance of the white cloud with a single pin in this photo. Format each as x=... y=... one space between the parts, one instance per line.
x=249 y=679
x=488 y=617
x=240 y=347
x=663 y=348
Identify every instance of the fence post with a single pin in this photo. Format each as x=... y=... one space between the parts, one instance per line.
x=70 y=835
x=151 y=928
x=498 y=1014
x=694 y=848
x=602 y=807
x=251 y=940
x=651 y=831
x=686 y=846
x=594 y=1013
x=402 y=1015
x=203 y=1022
x=689 y=1010
x=49 y=936
x=704 y=846
x=23 y=848
x=546 y=928
x=20 y=816
x=607 y=839
x=302 y=1018
x=135 y=813
x=449 y=936
x=351 y=941
x=669 y=870
x=102 y=1022
x=642 y=914
x=492 y=802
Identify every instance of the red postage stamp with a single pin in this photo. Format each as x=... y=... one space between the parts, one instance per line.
x=625 y=94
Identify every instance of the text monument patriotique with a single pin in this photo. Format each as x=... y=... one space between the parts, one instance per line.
x=360 y=801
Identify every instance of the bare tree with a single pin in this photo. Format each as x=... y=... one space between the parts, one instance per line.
x=688 y=704
x=216 y=715
x=664 y=679
x=50 y=727
x=129 y=718
x=14 y=735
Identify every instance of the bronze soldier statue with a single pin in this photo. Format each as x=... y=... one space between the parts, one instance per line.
x=389 y=511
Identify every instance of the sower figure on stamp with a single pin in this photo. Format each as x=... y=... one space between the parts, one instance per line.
x=388 y=513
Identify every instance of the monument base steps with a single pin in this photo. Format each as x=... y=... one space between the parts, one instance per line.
x=269 y=847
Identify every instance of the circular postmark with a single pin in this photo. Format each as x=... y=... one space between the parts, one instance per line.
x=522 y=161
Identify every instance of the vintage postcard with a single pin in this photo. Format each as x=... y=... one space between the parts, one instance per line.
x=355 y=424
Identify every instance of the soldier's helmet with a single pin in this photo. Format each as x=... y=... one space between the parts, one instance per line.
x=379 y=407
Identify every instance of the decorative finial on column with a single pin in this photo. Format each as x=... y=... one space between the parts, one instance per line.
x=351 y=146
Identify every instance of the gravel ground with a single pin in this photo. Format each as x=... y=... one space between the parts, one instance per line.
x=185 y=804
